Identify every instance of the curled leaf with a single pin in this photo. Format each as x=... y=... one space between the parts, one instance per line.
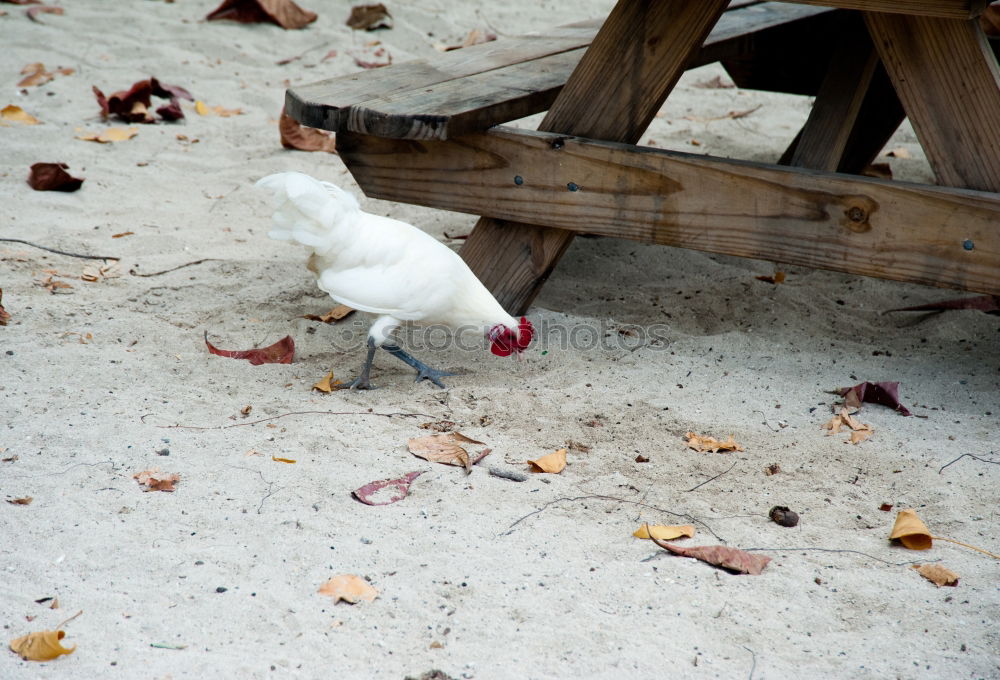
x=911 y=531
x=41 y=646
x=369 y=17
x=375 y=493
x=52 y=177
x=939 y=575
x=15 y=114
x=280 y=352
x=154 y=480
x=276 y=459
x=702 y=443
x=296 y=136
x=25 y=500
x=335 y=314
x=34 y=75
x=664 y=532
x=859 y=431
x=349 y=588
x=553 y=463
x=284 y=13
x=732 y=559
x=446 y=449
x=885 y=393
x=325 y=384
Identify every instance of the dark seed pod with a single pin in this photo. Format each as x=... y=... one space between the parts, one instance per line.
x=781 y=515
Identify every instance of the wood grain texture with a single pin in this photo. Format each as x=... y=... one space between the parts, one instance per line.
x=613 y=93
x=947 y=78
x=859 y=225
x=950 y=9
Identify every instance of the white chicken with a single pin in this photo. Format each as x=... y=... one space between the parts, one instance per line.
x=388 y=268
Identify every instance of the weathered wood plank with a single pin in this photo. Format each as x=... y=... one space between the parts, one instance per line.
x=949 y=9
x=824 y=136
x=926 y=234
x=947 y=78
x=498 y=82
x=613 y=93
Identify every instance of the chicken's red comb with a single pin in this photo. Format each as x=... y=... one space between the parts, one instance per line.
x=525 y=333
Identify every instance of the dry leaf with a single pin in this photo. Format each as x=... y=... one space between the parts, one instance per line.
x=280 y=352
x=369 y=17
x=885 y=507
x=132 y=105
x=371 y=493
x=553 y=463
x=335 y=314
x=297 y=136
x=476 y=36
x=446 y=449
x=732 y=559
x=772 y=469
x=52 y=177
x=123 y=234
x=372 y=55
x=282 y=460
x=202 y=109
x=911 y=531
x=938 y=574
x=885 y=393
x=41 y=646
x=715 y=83
x=349 y=588
x=154 y=480
x=4 y=314
x=15 y=114
x=859 y=431
x=284 y=13
x=901 y=152
x=779 y=277
x=324 y=385
x=115 y=134
x=34 y=75
x=700 y=443
x=33 y=12
x=20 y=501
x=664 y=532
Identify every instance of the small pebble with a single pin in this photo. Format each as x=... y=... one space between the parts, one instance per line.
x=163 y=452
x=221 y=589
x=781 y=515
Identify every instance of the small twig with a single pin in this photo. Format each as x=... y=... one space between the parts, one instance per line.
x=691 y=518
x=712 y=479
x=292 y=413
x=60 y=252
x=970 y=455
x=754 y=666
x=63 y=623
x=833 y=550
x=512 y=475
x=133 y=272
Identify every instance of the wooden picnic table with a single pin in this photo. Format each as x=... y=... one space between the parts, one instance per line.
x=429 y=136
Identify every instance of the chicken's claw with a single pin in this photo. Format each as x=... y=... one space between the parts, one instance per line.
x=432 y=374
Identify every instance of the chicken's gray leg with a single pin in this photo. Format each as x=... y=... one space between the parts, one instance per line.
x=424 y=372
x=362 y=381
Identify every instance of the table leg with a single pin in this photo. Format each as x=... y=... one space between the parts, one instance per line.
x=948 y=80
x=613 y=94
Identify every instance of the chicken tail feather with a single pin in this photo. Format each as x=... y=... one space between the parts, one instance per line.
x=307 y=210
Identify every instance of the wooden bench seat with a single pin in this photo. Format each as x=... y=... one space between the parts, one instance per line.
x=477 y=87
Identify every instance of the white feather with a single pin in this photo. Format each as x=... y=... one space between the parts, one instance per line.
x=378 y=264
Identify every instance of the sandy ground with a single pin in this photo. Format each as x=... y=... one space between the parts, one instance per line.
x=479 y=576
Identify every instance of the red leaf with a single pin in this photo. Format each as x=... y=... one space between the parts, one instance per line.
x=284 y=13
x=401 y=487
x=984 y=303
x=280 y=352
x=164 y=91
x=885 y=393
x=52 y=177
x=732 y=559
x=296 y=136
x=171 y=111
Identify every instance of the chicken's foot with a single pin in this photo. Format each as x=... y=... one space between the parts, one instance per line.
x=362 y=382
x=424 y=372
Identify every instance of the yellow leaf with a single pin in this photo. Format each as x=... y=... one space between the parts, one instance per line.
x=282 y=460
x=553 y=463
x=938 y=574
x=911 y=531
x=113 y=134
x=703 y=443
x=335 y=314
x=41 y=646
x=324 y=384
x=16 y=114
x=200 y=108
x=664 y=532
x=349 y=588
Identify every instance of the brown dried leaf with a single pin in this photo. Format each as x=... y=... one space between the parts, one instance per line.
x=369 y=17
x=664 y=532
x=40 y=646
x=26 y=500
x=284 y=13
x=15 y=114
x=280 y=352
x=779 y=277
x=349 y=588
x=704 y=443
x=885 y=393
x=939 y=575
x=326 y=383
x=35 y=75
x=4 y=314
x=335 y=314
x=732 y=559
x=154 y=480
x=373 y=493
x=297 y=136
x=52 y=177
x=910 y=530
x=444 y=448
x=115 y=134
x=553 y=463
x=859 y=431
